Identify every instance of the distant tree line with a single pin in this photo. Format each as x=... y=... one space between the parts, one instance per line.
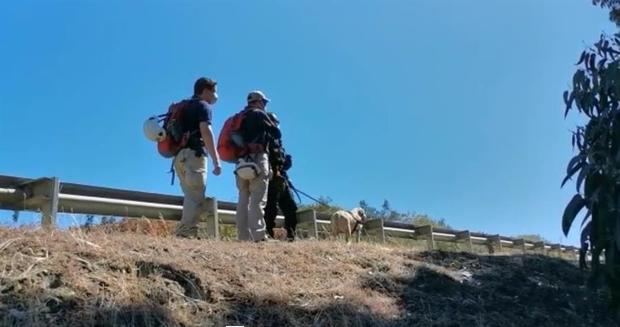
x=386 y=212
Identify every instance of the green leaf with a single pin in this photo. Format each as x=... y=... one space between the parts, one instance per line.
x=582 y=175
x=566 y=98
x=574 y=161
x=578 y=78
x=585 y=219
x=592 y=59
x=582 y=58
x=567 y=107
x=572 y=172
x=570 y=212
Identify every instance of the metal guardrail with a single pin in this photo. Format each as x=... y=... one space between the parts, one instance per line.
x=50 y=197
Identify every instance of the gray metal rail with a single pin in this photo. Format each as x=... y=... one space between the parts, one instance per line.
x=50 y=196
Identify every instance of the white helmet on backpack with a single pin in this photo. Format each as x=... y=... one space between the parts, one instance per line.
x=153 y=131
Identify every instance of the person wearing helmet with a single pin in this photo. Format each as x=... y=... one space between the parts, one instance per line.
x=279 y=190
x=190 y=163
x=256 y=130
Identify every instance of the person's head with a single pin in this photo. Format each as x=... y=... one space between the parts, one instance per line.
x=257 y=99
x=206 y=89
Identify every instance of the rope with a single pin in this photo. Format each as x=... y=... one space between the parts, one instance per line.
x=297 y=191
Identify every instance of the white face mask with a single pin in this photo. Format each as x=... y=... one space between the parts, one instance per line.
x=215 y=97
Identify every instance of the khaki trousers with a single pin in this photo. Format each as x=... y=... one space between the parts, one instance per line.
x=192 y=176
x=252 y=199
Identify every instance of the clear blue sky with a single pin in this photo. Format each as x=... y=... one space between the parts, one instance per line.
x=449 y=108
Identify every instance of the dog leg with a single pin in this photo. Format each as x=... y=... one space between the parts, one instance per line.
x=347 y=235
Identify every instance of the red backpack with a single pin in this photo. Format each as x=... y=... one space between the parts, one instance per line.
x=230 y=145
x=175 y=138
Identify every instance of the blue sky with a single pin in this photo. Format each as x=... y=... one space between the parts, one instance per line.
x=449 y=108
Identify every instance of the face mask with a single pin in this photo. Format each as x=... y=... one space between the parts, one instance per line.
x=215 y=97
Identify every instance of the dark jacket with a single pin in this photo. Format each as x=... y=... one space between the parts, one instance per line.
x=279 y=160
x=257 y=129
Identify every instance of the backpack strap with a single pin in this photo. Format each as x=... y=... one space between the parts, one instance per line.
x=172 y=170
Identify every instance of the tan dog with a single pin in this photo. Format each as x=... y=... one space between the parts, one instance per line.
x=347 y=222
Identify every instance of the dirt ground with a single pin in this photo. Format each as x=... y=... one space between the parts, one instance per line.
x=114 y=278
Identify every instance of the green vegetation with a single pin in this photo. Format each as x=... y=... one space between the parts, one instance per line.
x=386 y=212
x=532 y=238
x=595 y=94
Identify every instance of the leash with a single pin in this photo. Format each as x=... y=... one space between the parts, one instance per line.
x=297 y=191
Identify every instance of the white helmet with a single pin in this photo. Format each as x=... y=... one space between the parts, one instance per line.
x=153 y=131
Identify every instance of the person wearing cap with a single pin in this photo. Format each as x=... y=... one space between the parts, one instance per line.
x=257 y=131
x=279 y=190
x=190 y=162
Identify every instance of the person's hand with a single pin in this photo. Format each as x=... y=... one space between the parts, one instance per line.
x=217 y=170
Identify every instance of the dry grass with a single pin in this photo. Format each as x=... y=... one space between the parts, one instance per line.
x=113 y=278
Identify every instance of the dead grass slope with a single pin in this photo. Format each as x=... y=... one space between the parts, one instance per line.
x=127 y=279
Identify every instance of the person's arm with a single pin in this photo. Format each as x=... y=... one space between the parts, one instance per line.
x=270 y=126
x=207 y=136
x=204 y=118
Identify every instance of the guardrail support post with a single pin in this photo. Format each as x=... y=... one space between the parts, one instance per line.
x=494 y=244
x=520 y=243
x=213 y=228
x=374 y=230
x=539 y=247
x=556 y=250
x=43 y=193
x=426 y=232
x=306 y=219
x=465 y=236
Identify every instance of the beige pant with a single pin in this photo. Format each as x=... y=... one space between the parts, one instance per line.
x=252 y=200
x=192 y=176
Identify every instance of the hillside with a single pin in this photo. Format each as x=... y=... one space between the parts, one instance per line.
x=127 y=279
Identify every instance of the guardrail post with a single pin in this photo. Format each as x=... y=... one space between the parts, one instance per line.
x=43 y=193
x=564 y=254
x=556 y=250
x=494 y=243
x=539 y=247
x=306 y=219
x=374 y=229
x=426 y=232
x=465 y=237
x=520 y=243
x=213 y=228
